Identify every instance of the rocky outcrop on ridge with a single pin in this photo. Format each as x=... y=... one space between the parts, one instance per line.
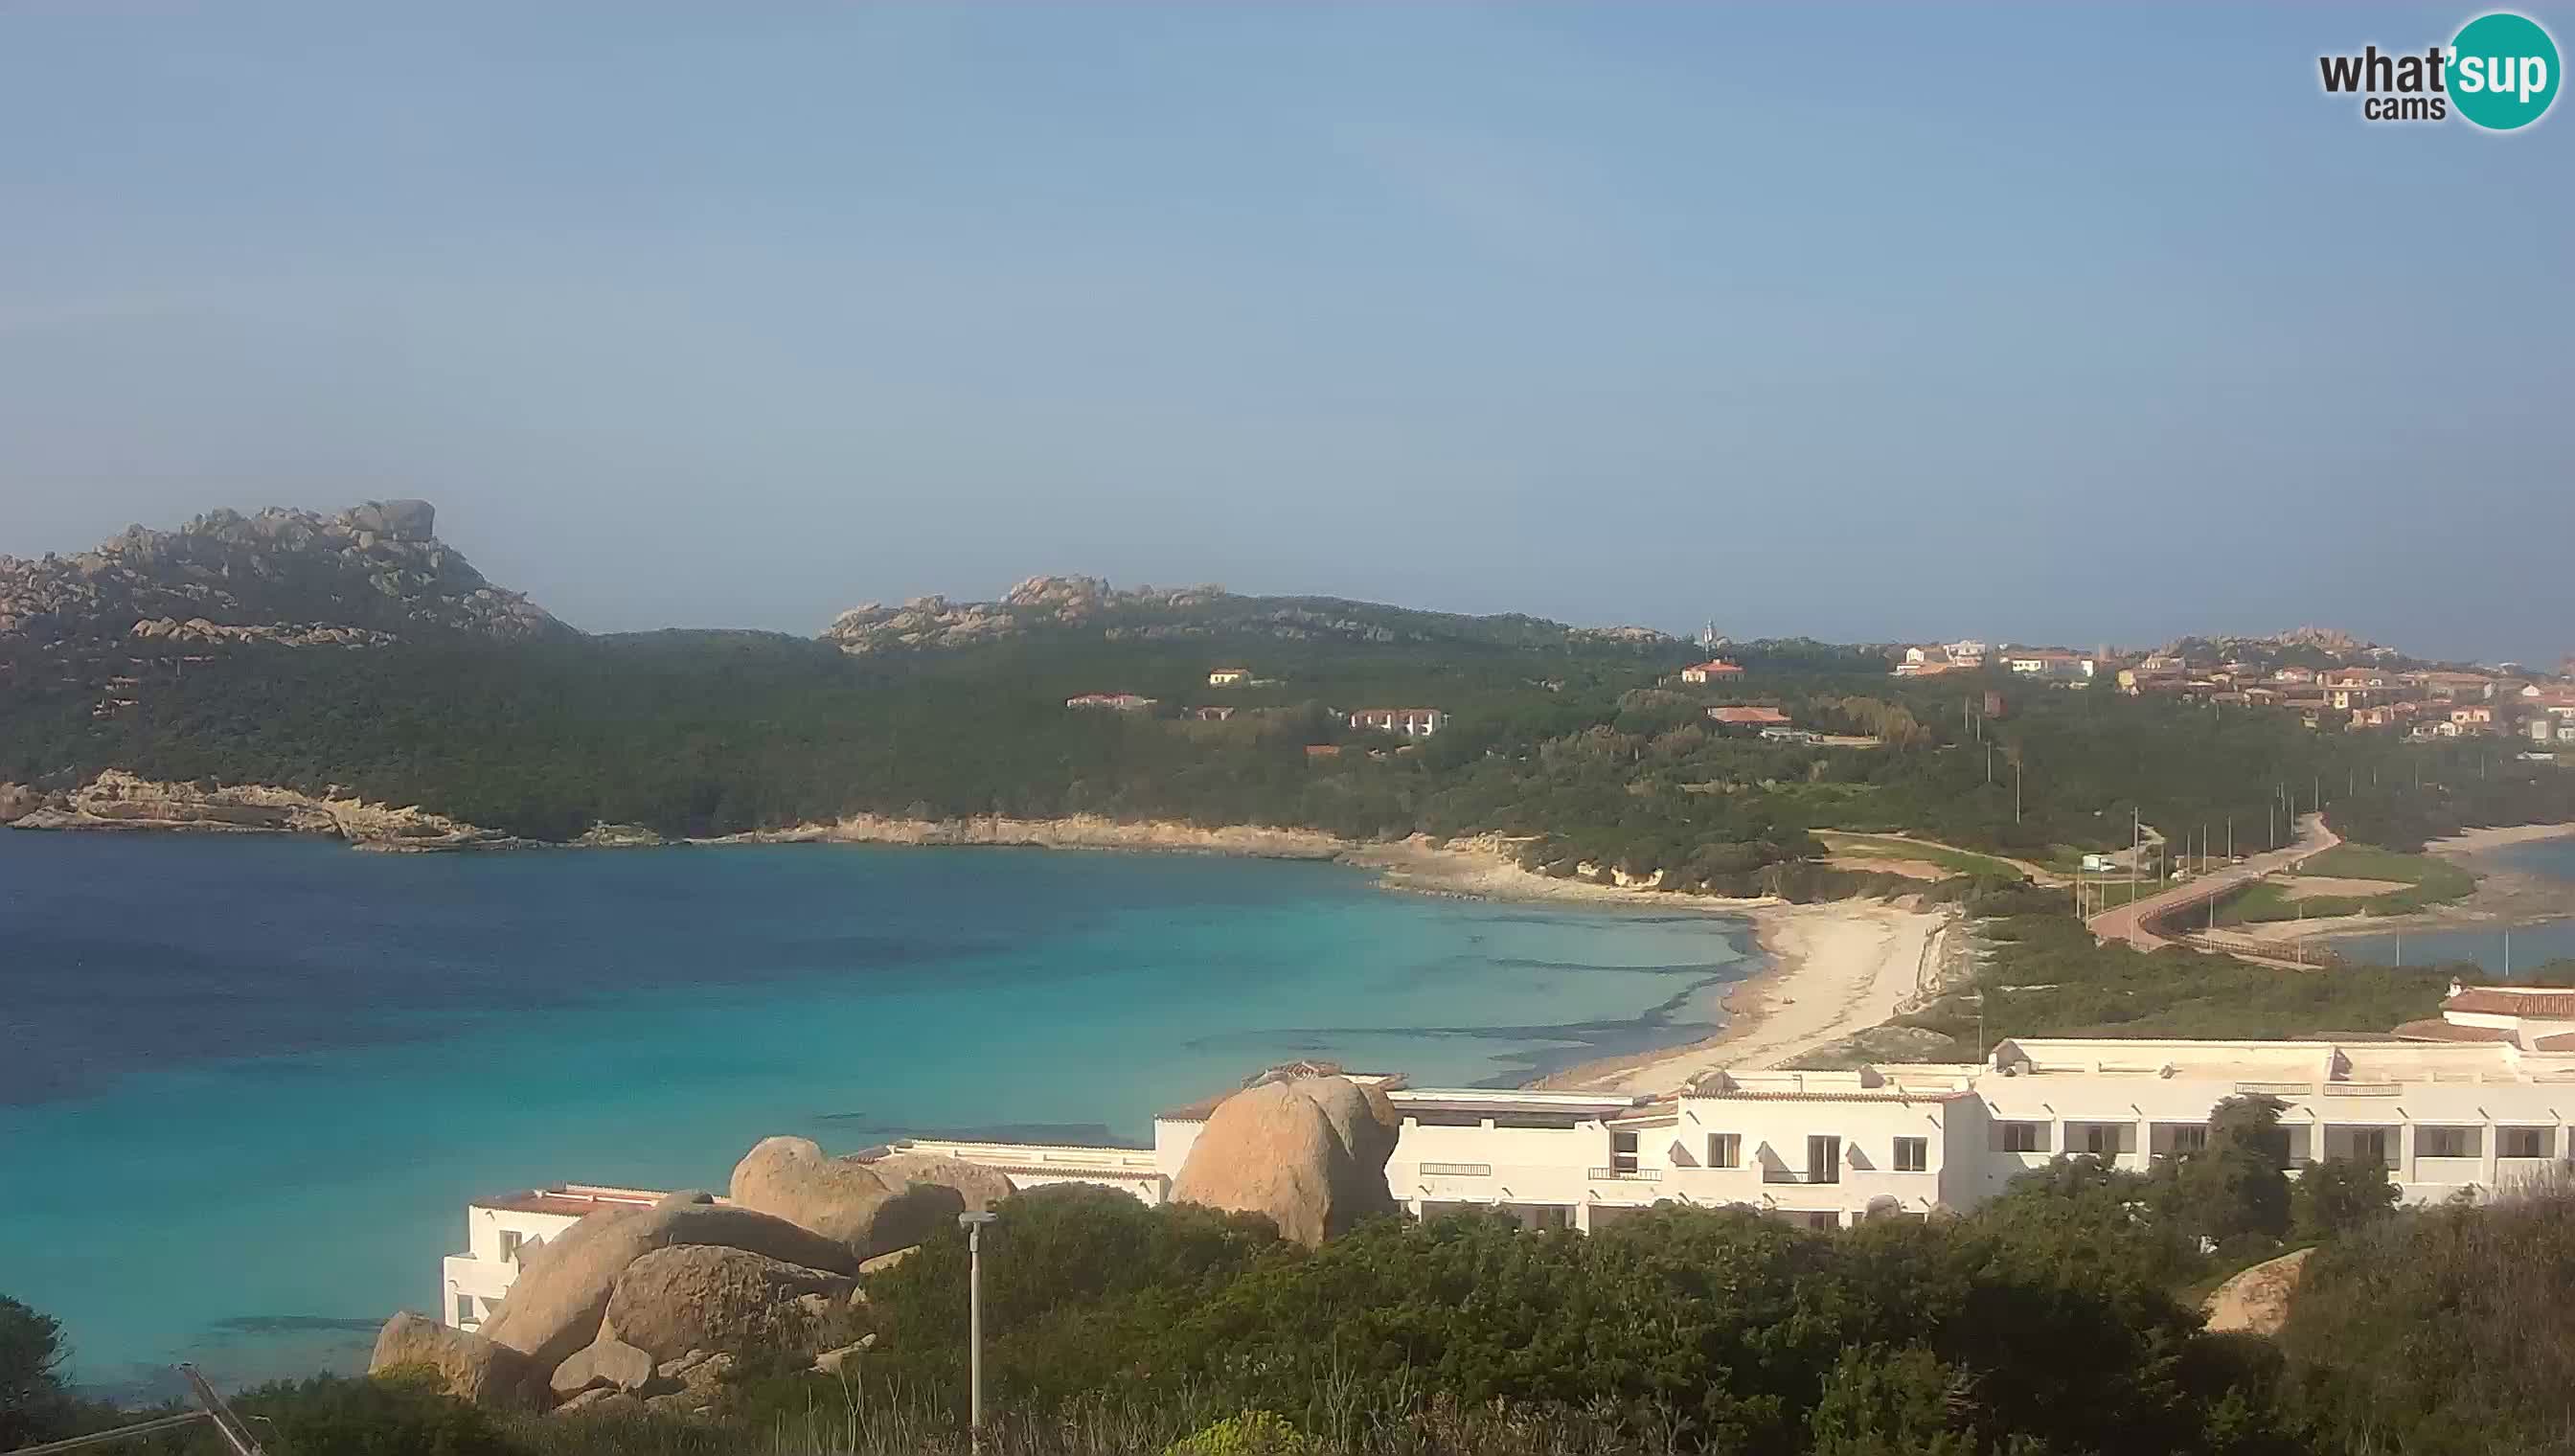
x=116 y=799
x=365 y=577
x=935 y=622
x=1090 y=606
x=1308 y=1151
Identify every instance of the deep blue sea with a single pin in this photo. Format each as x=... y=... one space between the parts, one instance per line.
x=248 y=1085
x=2530 y=946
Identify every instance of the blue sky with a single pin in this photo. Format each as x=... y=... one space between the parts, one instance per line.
x=2067 y=324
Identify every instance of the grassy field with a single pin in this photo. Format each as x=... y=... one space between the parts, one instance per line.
x=2428 y=880
x=1956 y=861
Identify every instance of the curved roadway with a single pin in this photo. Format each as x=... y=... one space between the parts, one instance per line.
x=2135 y=923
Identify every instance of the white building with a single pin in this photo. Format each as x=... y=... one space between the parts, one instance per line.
x=1835 y=1147
x=499 y=1231
x=2473 y=1110
x=1411 y=722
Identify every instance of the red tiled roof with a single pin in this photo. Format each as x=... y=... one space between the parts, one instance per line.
x=2561 y=1042
x=1762 y=715
x=2435 y=1029
x=2513 y=1004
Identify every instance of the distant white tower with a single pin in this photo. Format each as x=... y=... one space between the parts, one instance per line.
x=1709 y=637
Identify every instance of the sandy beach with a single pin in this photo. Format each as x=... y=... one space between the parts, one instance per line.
x=1835 y=968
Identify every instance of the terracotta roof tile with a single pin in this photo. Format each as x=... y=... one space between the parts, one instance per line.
x=2558 y=1002
x=2437 y=1029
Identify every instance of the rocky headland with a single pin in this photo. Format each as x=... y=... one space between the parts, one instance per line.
x=119 y=801
x=365 y=577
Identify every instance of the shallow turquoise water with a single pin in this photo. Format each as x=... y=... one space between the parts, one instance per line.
x=247 y=1085
x=2530 y=946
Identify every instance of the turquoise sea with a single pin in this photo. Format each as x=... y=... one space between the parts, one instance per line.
x=2529 y=947
x=247 y=1085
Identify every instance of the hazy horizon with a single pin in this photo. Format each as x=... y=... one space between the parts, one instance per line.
x=2066 y=326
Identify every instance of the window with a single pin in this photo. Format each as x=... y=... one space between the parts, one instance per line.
x=2446 y=1142
x=1622 y=1151
x=464 y=1309
x=2191 y=1139
x=1912 y=1154
x=2023 y=1137
x=1823 y=1221
x=511 y=1238
x=1724 y=1150
x=2369 y=1145
x=2521 y=1143
x=2103 y=1140
x=1823 y=1160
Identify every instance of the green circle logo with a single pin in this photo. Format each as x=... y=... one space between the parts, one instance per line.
x=2502 y=71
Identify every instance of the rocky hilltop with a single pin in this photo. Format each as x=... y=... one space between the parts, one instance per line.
x=1091 y=606
x=365 y=577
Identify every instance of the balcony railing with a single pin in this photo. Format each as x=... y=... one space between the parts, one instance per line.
x=1626 y=1175
x=1456 y=1170
x=1799 y=1175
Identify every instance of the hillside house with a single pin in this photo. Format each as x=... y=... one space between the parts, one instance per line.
x=1924 y=663
x=1410 y=723
x=1714 y=669
x=1113 y=702
x=1742 y=715
x=1229 y=677
x=2042 y=662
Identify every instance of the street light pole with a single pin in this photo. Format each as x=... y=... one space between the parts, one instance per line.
x=973 y=1223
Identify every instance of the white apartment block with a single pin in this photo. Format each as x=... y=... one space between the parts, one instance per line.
x=2470 y=1104
x=1410 y=723
x=500 y=1231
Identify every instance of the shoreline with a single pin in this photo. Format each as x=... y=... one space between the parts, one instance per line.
x=2504 y=897
x=1835 y=968
x=1831 y=968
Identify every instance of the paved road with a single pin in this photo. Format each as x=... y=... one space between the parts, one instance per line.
x=2123 y=922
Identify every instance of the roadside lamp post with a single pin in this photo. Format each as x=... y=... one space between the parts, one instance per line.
x=973 y=1223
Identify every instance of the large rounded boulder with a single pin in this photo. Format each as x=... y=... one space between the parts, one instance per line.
x=980 y=1187
x=1310 y=1153
x=467 y=1366
x=554 y=1308
x=844 y=1199
x=676 y=1300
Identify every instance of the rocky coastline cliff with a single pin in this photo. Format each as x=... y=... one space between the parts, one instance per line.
x=119 y=801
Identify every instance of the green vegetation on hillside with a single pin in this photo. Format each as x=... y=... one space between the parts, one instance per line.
x=2044 y=975
x=1586 y=746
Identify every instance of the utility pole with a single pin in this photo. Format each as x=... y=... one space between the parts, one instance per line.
x=2136 y=846
x=2015 y=791
x=974 y=1225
